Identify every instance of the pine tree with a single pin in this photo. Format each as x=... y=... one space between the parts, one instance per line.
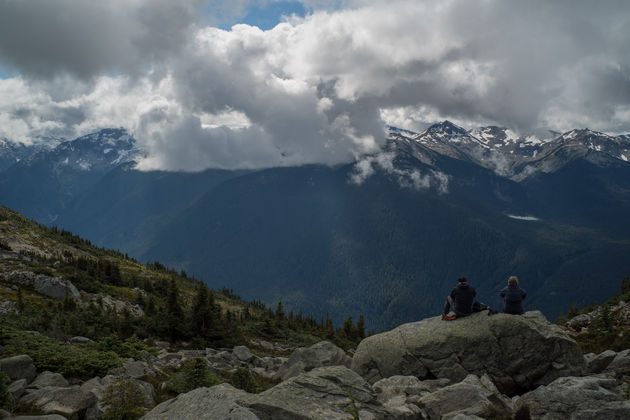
x=201 y=316
x=279 y=312
x=174 y=312
x=348 y=327
x=361 y=327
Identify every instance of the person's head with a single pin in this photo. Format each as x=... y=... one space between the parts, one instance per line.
x=462 y=279
x=513 y=281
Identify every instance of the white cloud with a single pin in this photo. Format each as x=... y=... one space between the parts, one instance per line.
x=316 y=89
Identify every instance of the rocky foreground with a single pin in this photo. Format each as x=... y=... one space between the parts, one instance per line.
x=488 y=367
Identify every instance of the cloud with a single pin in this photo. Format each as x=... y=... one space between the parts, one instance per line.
x=317 y=89
x=406 y=178
x=46 y=38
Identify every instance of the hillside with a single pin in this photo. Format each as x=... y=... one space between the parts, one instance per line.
x=385 y=237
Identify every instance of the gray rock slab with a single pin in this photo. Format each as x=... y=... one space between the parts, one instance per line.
x=48 y=378
x=17 y=388
x=472 y=397
x=322 y=394
x=518 y=352
x=304 y=359
x=577 y=398
x=242 y=353
x=67 y=400
x=218 y=402
x=620 y=365
x=600 y=362
x=18 y=367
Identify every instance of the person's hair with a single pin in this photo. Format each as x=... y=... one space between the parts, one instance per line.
x=462 y=279
x=513 y=281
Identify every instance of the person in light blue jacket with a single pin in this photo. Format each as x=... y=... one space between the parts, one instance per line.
x=512 y=297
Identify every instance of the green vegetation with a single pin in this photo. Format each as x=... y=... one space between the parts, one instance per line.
x=193 y=373
x=608 y=330
x=123 y=400
x=5 y=398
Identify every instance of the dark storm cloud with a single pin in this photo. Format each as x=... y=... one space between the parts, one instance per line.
x=44 y=38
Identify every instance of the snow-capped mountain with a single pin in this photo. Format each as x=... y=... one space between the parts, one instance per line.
x=97 y=151
x=507 y=153
x=11 y=152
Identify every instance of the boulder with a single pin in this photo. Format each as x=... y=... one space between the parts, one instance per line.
x=589 y=397
x=304 y=359
x=400 y=394
x=71 y=401
x=242 y=353
x=598 y=363
x=473 y=397
x=518 y=352
x=18 y=367
x=47 y=378
x=134 y=368
x=218 y=402
x=324 y=393
x=56 y=288
x=17 y=388
x=580 y=321
x=80 y=340
x=4 y=414
x=620 y=365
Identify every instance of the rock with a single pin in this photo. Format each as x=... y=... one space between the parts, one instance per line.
x=71 y=401
x=17 y=388
x=7 y=307
x=518 y=352
x=111 y=304
x=134 y=368
x=598 y=363
x=47 y=378
x=592 y=397
x=580 y=321
x=80 y=340
x=44 y=417
x=4 y=414
x=395 y=386
x=218 y=402
x=97 y=387
x=472 y=396
x=56 y=288
x=324 y=393
x=400 y=394
x=620 y=365
x=242 y=353
x=305 y=359
x=18 y=367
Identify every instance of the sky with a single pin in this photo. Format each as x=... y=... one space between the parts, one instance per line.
x=252 y=84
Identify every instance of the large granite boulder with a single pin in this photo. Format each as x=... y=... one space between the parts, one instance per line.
x=518 y=352
x=54 y=287
x=218 y=402
x=620 y=365
x=583 y=398
x=324 y=393
x=18 y=367
x=304 y=359
x=47 y=378
x=473 y=396
x=70 y=401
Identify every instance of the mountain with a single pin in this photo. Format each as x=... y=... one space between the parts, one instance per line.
x=385 y=237
x=11 y=152
x=41 y=184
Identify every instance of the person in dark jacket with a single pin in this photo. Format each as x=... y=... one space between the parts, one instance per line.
x=460 y=299
x=512 y=297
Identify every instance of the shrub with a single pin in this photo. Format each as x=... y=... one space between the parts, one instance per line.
x=194 y=373
x=5 y=398
x=243 y=379
x=123 y=400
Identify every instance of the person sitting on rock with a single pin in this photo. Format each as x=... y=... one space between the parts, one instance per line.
x=460 y=299
x=512 y=297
